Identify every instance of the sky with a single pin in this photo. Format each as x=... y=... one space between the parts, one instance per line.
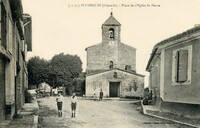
x=70 y=26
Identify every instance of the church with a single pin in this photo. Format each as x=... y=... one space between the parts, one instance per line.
x=111 y=65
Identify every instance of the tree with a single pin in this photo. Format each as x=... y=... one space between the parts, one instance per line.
x=60 y=71
x=64 y=68
x=38 y=70
x=78 y=86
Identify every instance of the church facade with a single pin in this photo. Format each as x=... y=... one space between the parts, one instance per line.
x=111 y=65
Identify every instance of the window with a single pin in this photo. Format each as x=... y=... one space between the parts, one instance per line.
x=135 y=87
x=115 y=75
x=111 y=33
x=128 y=67
x=181 y=65
x=111 y=65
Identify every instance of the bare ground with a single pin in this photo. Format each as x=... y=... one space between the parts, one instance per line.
x=96 y=114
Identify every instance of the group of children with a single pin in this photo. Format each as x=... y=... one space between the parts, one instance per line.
x=59 y=101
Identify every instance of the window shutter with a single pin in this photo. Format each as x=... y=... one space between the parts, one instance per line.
x=181 y=65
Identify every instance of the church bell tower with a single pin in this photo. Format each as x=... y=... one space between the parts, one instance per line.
x=111 y=30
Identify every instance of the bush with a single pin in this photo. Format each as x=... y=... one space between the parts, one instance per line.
x=28 y=97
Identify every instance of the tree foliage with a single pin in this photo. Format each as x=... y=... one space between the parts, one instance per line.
x=61 y=70
x=64 y=68
x=38 y=70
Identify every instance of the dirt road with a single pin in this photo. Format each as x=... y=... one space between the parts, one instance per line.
x=96 y=114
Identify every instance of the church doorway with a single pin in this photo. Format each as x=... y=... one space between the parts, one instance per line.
x=114 y=89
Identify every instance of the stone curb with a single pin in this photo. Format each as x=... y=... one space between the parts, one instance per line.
x=164 y=118
x=172 y=120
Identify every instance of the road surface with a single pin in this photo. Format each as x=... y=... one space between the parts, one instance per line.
x=98 y=114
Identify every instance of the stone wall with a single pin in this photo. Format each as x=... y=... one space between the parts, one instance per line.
x=100 y=55
x=187 y=92
x=12 y=52
x=131 y=85
x=181 y=109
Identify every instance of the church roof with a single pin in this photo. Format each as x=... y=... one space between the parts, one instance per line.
x=108 y=70
x=120 y=44
x=111 y=21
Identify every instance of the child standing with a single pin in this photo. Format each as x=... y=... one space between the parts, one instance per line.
x=59 y=101
x=73 y=104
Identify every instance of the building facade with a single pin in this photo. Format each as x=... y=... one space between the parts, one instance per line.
x=13 y=52
x=174 y=73
x=111 y=65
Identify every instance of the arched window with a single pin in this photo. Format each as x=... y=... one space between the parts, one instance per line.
x=115 y=75
x=111 y=33
x=111 y=65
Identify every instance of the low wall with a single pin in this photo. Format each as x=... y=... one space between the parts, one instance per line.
x=187 y=110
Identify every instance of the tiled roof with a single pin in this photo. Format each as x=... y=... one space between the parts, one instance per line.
x=178 y=36
x=111 y=21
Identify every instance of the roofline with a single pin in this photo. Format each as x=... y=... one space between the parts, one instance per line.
x=151 y=57
x=106 y=42
x=92 y=46
x=111 y=24
x=119 y=70
x=170 y=39
x=179 y=36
